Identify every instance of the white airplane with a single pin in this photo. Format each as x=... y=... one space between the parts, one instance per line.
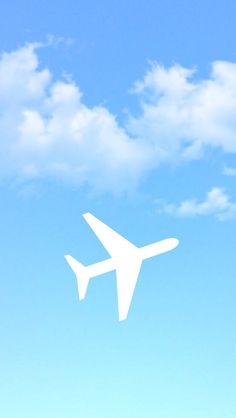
x=126 y=259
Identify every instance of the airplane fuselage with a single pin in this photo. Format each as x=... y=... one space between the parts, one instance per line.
x=145 y=252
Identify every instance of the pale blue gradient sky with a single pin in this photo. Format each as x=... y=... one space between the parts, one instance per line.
x=175 y=355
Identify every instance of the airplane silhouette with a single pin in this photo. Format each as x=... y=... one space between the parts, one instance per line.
x=126 y=259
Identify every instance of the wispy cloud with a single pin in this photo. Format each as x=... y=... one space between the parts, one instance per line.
x=216 y=203
x=229 y=171
x=47 y=131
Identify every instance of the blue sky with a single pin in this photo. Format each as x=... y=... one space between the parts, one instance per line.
x=126 y=111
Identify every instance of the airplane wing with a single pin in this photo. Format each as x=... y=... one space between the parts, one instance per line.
x=114 y=243
x=126 y=257
x=126 y=277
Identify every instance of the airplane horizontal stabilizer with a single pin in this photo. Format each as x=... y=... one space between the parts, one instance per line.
x=81 y=273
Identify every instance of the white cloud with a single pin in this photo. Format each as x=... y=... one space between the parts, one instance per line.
x=229 y=171
x=47 y=131
x=182 y=116
x=216 y=203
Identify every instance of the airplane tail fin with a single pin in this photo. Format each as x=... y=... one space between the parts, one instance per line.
x=81 y=273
